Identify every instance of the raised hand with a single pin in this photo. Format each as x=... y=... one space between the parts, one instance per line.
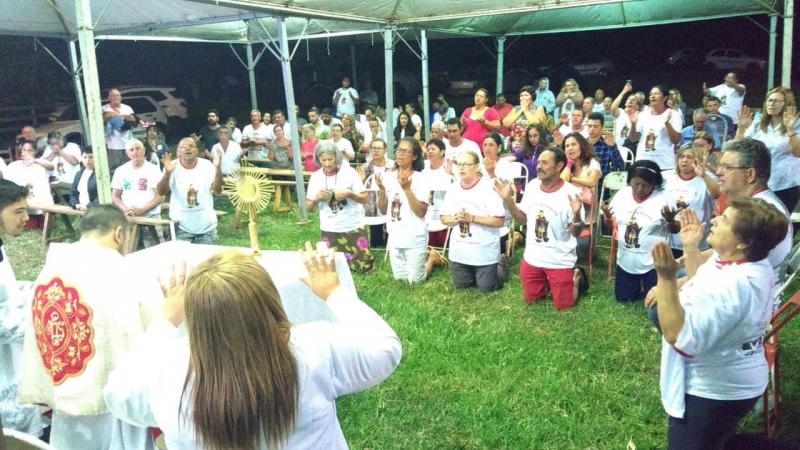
x=174 y=290
x=745 y=117
x=669 y=213
x=404 y=180
x=692 y=229
x=379 y=181
x=575 y=204
x=663 y=261
x=168 y=162
x=607 y=211
x=216 y=158
x=790 y=117
x=322 y=278
x=609 y=138
x=505 y=189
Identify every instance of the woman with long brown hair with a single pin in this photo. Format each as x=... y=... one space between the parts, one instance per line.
x=248 y=378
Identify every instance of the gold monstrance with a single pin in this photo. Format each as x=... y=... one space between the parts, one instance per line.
x=249 y=190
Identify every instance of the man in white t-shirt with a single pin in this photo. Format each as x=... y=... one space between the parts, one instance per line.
x=231 y=151
x=456 y=144
x=345 y=99
x=743 y=171
x=118 y=118
x=730 y=93
x=192 y=181
x=66 y=159
x=255 y=136
x=576 y=125
x=134 y=184
x=553 y=211
x=279 y=119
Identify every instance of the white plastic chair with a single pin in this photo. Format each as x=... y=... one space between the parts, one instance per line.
x=627 y=155
x=17 y=440
x=379 y=219
x=719 y=125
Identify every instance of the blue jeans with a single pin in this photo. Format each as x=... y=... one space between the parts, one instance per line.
x=209 y=238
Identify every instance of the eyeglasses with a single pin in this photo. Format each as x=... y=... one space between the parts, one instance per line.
x=403 y=151
x=726 y=167
x=775 y=100
x=466 y=164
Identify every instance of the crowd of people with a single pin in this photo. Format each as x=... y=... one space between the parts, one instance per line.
x=701 y=224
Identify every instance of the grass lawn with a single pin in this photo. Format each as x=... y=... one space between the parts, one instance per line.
x=485 y=371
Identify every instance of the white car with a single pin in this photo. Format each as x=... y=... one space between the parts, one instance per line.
x=67 y=120
x=729 y=58
x=163 y=95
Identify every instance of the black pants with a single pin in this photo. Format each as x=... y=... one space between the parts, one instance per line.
x=706 y=423
x=629 y=287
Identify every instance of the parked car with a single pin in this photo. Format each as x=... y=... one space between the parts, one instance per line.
x=164 y=96
x=729 y=58
x=67 y=121
x=599 y=67
x=684 y=57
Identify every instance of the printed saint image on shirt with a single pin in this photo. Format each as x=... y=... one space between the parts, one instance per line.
x=142 y=184
x=191 y=197
x=463 y=229
x=632 y=233
x=335 y=205
x=681 y=203
x=540 y=228
x=396 y=204
x=650 y=141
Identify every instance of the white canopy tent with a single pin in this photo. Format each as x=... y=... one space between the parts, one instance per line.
x=276 y=23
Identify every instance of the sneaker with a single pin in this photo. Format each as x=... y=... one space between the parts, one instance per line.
x=502 y=267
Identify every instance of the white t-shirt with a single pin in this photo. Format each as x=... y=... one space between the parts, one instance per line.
x=777 y=256
x=346 y=148
x=719 y=353
x=785 y=172
x=550 y=244
x=337 y=216
x=654 y=143
x=236 y=135
x=471 y=243
x=138 y=186
x=730 y=101
x=63 y=170
x=346 y=104
x=34 y=177
x=693 y=194
x=452 y=152
x=230 y=156
x=438 y=182
x=260 y=133
x=622 y=126
x=115 y=138
x=405 y=229
x=567 y=129
x=191 y=202
x=640 y=227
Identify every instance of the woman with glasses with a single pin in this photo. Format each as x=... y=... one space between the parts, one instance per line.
x=713 y=321
x=643 y=218
x=402 y=198
x=477 y=211
x=778 y=128
x=338 y=192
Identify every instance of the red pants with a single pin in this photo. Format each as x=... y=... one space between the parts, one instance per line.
x=535 y=279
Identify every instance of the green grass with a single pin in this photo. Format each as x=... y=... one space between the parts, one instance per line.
x=486 y=371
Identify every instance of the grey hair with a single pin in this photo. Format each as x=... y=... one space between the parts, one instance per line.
x=438 y=124
x=327 y=148
x=132 y=142
x=698 y=112
x=752 y=154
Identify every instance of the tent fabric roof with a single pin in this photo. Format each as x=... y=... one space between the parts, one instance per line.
x=243 y=21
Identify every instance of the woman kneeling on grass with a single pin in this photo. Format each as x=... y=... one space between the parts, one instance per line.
x=338 y=191
x=247 y=377
x=402 y=199
x=713 y=320
x=476 y=209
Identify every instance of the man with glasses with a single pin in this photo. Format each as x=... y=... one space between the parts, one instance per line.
x=192 y=181
x=743 y=171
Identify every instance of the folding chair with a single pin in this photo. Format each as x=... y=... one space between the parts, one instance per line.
x=779 y=319
x=17 y=440
x=719 y=125
x=612 y=182
x=372 y=215
x=627 y=155
x=519 y=174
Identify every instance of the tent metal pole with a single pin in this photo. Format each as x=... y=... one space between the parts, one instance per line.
x=788 y=30
x=96 y=136
x=78 y=88
x=251 y=74
x=288 y=83
x=353 y=72
x=426 y=99
x=501 y=51
x=773 y=36
x=388 y=50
